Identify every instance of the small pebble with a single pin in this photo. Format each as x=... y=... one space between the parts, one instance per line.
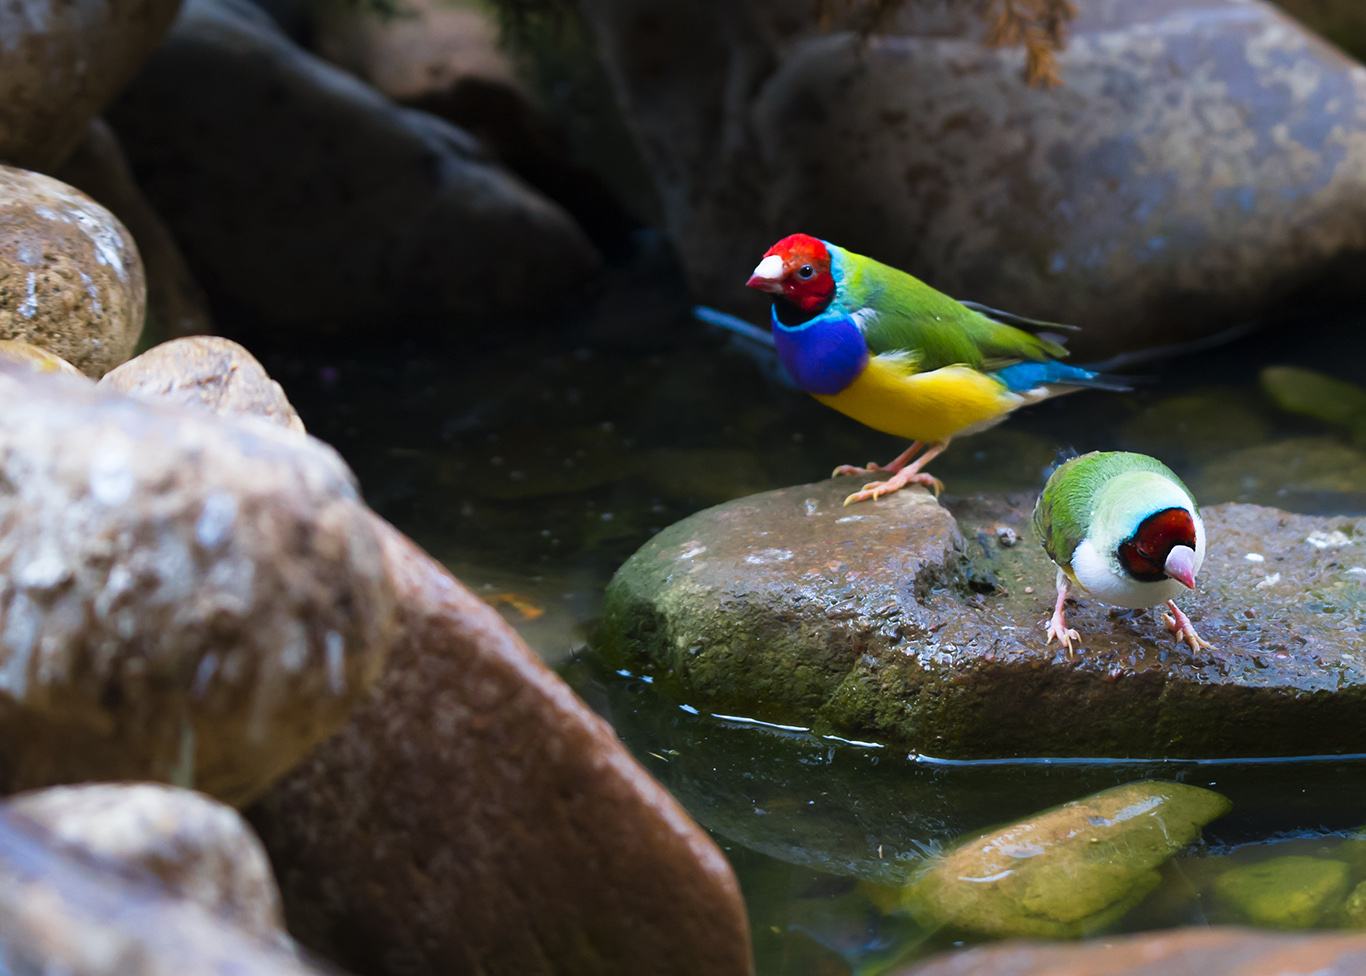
x=1007 y=536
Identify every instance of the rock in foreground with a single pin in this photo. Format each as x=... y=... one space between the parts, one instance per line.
x=887 y=621
x=183 y=598
x=475 y=816
x=1209 y=952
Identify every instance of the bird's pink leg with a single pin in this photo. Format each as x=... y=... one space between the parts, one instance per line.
x=892 y=467
x=1180 y=626
x=1057 y=624
x=911 y=474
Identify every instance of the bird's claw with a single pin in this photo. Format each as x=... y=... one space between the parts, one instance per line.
x=1057 y=627
x=849 y=470
x=876 y=489
x=1180 y=627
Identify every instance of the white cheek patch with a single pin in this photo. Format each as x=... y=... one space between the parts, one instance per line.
x=770 y=268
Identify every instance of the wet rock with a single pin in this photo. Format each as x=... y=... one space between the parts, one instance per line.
x=1210 y=952
x=475 y=816
x=888 y=622
x=305 y=199
x=210 y=373
x=80 y=916
x=1086 y=208
x=60 y=63
x=183 y=598
x=193 y=846
x=176 y=305
x=1293 y=892
x=1065 y=872
x=39 y=360
x=1354 y=911
x=71 y=279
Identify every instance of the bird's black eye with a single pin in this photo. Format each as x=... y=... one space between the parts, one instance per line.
x=805 y=271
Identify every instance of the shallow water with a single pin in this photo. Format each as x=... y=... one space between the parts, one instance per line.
x=535 y=471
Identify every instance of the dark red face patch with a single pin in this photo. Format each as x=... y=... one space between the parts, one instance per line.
x=1144 y=554
x=807 y=282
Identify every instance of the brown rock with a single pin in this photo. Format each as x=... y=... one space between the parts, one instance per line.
x=183 y=598
x=208 y=372
x=888 y=621
x=1209 y=952
x=1084 y=203
x=38 y=360
x=305 y=199
x=475 y=816
x=60 y=63
x=71 y=279
x=195 y=847
x=75 y=915
x=176 y=305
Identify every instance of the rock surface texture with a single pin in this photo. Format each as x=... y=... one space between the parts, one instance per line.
x=1209 y=952
x=183 y=598
x=71 y=279
x=191 y=845
x=475 y=816
x=210 y=373
x=61 y=62
x=305 y=199
x=888 y=621
x=126 y=926
x=1200 y=158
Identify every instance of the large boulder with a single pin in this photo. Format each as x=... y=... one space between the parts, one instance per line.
x=81 y=914
x=889 y=621
x=71 y=279
x=61 y=62
x=184 y=598
x=1210 y=952
x=193 y=846
x=475 y=816
x=1200 y=159
x=304 y=198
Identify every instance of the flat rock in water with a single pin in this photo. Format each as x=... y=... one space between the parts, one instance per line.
x=183 y=597
x=889 y=621
x=1207 y=951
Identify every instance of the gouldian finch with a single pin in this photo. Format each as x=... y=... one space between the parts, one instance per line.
x=1123 y=528
x=889 y=351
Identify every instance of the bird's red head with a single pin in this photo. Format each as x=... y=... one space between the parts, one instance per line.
x=797 y=268
x=1163 y=546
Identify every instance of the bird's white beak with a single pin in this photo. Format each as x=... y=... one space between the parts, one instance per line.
x=1181 y=565
x=768 y=275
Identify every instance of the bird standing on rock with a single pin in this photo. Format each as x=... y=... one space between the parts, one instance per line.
x=1123 y=528
x=889 y=351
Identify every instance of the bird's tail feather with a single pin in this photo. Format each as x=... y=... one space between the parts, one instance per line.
x=1022 y=377
x=733 y=324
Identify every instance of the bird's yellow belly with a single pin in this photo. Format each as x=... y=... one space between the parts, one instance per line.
x=932 y=406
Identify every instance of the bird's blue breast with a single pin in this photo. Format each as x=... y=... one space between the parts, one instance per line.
x=823 y=354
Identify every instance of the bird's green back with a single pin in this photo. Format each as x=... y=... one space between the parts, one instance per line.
x=1067 y=504
x=939 y=331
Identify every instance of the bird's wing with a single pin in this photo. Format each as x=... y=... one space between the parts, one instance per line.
x=898 y=312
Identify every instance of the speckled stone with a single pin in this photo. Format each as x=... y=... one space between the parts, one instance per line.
x=210 y=373
x=888 y=621
x=184 y=598
x=1201 y=158
x=79 y=915
x=71 y=280
x=193 y=846
x=60 y=62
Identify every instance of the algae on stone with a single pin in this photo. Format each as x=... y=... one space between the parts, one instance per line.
x=1354 y=911
x=1292 y=892
x=1316 y=395
x=1068 y=871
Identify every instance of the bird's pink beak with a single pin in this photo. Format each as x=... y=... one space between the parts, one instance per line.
x=768 y=276
x=1181 y=565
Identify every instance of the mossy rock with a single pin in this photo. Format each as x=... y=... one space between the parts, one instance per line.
x=1293 y=892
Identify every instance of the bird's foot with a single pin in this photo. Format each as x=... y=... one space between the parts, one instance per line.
x=872 y=467
x=1181 y=628
x=846 y=470
x=1057 y=627
x=876 y=489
